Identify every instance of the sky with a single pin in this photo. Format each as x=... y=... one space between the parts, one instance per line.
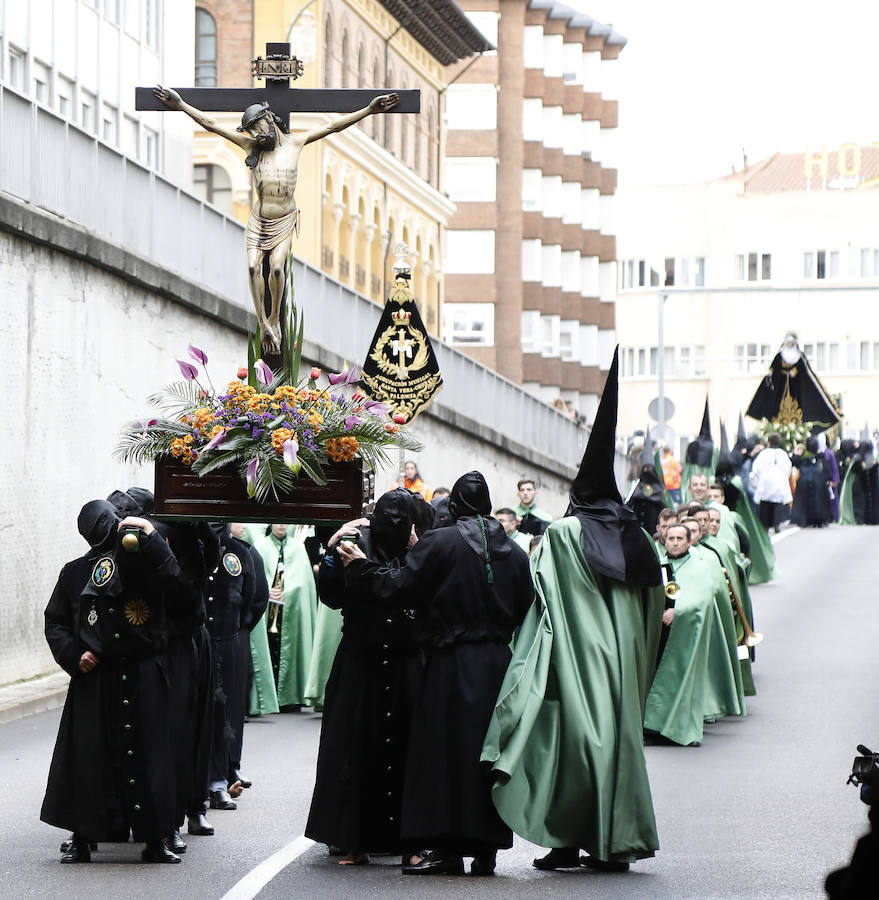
x=699 y=81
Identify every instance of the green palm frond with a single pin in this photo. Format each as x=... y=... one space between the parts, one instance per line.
x=177 y=398
x=141 y=445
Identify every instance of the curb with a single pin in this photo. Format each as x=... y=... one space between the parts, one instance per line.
x=31 y=698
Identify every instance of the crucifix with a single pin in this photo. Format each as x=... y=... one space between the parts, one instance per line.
x=402 y=349
x=273 y=158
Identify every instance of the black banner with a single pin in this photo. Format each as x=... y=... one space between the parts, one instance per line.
x=401 y=368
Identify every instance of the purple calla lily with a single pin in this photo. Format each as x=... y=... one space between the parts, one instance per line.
x=291 y=448
x=338 y=378
x=215 y=441
x=263 y=372
x=352 y=375
x=198 y=355
x=252 y=466
x=351 y=421
x=376 y=408
x=189 y=372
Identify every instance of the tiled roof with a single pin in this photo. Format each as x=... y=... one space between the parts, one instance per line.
x=787 y=172
x=440 y=26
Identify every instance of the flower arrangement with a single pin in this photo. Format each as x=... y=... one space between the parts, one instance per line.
x=270 y=427
x=791 y=433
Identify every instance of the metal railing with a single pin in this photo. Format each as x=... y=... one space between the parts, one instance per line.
x=48 y=162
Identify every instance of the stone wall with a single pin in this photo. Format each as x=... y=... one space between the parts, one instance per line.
x=88 y=332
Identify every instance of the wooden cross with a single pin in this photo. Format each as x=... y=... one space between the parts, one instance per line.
x=276 y=69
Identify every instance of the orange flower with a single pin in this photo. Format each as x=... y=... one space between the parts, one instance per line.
x=342 y=449
x=279 y=435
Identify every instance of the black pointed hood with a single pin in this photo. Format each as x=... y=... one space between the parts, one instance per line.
x=613 y=541
x=726 y=461
x=701 y=451
x=647 y=450
x=741 y=437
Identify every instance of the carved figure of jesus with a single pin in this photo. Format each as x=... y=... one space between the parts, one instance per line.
x=273 y=158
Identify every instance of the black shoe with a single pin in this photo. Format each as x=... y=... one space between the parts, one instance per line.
x=66 y=845
x=436 y=865
x=175 y=843
x=559 y=858
x=78 y=852
x=199 y=825
x=483 y=865
x=221 y=800
x=599 y=865
x=333 y=850
x=237 y=776
x=157 y=852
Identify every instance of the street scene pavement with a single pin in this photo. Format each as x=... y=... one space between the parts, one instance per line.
x=761 y=809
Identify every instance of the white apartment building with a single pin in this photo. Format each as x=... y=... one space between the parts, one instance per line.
x=789 y=244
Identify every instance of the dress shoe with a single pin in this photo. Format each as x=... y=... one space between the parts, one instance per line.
x=157 y=852
x=237 y=776
x=559 y=858
x=78 y=852
x=221 y=800
x=600 y=865
x=66 y=845
x=199 y=825
x=175 y=843
x=432 y=864
x=483 y=865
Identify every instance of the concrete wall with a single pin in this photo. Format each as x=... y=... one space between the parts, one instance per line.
x=88 y=332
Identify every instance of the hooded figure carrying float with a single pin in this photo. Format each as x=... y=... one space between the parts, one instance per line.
x=566 y=742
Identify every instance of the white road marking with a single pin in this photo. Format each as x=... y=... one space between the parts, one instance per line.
x=783 y=534
x=257 y=878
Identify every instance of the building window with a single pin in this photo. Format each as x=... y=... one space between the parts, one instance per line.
x=151 y=23
x=64 y=96
x=130 y=135
x=754 y=267
x=345 y=60
x=751 y=358
x=205 y=49
x=111 y=11
x=472 y=107
x=328 y=53
x=15 y=68
x=869 y=263
x=212 y=184
x=469 y=324
x=569 y=339
x=471 y=178
x=700 y=363
x=109 y=124
x=151 y=147
x=469 y=252
x=530 y=329
x=87 y=111
x=821 y=264
x=41 y=77
x=361 y=67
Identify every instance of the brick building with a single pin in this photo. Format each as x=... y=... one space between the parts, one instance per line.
x=530 y=261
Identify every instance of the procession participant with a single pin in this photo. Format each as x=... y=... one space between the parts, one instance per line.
x=676 y=701
x=646 y=496
x=565 y=742
x=770 y=477
x=832 y=476
x=470 y=588
x=737 y=573
x=440 y=512
x=113 y=771
x=697 y=487
x=532 y=519
x=667 y=517
x=144 y=498
x=438 y=494
x=507 y=518
x=190 y=665
x=700 y=459
x=811 y=505
x=694 y=529
x=357 y=791
x=231 y=588
x=291 y=611
x=671 y=474
x=251 y=615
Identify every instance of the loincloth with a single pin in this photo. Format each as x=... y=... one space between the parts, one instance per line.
x=266 y=234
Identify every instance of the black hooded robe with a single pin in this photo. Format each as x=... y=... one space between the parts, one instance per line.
x=113 y=768
x=461 y=634
x=358 y=786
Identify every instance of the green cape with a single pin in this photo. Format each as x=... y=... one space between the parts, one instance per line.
x=300 y=607
x=762 y=554
x=677 y=696
x=566 y=742
x=327 y=636
x=846 y=502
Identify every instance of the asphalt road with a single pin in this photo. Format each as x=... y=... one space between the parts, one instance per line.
x=761 y=809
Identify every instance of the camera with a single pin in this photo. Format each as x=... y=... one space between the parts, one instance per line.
x=865 y=768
